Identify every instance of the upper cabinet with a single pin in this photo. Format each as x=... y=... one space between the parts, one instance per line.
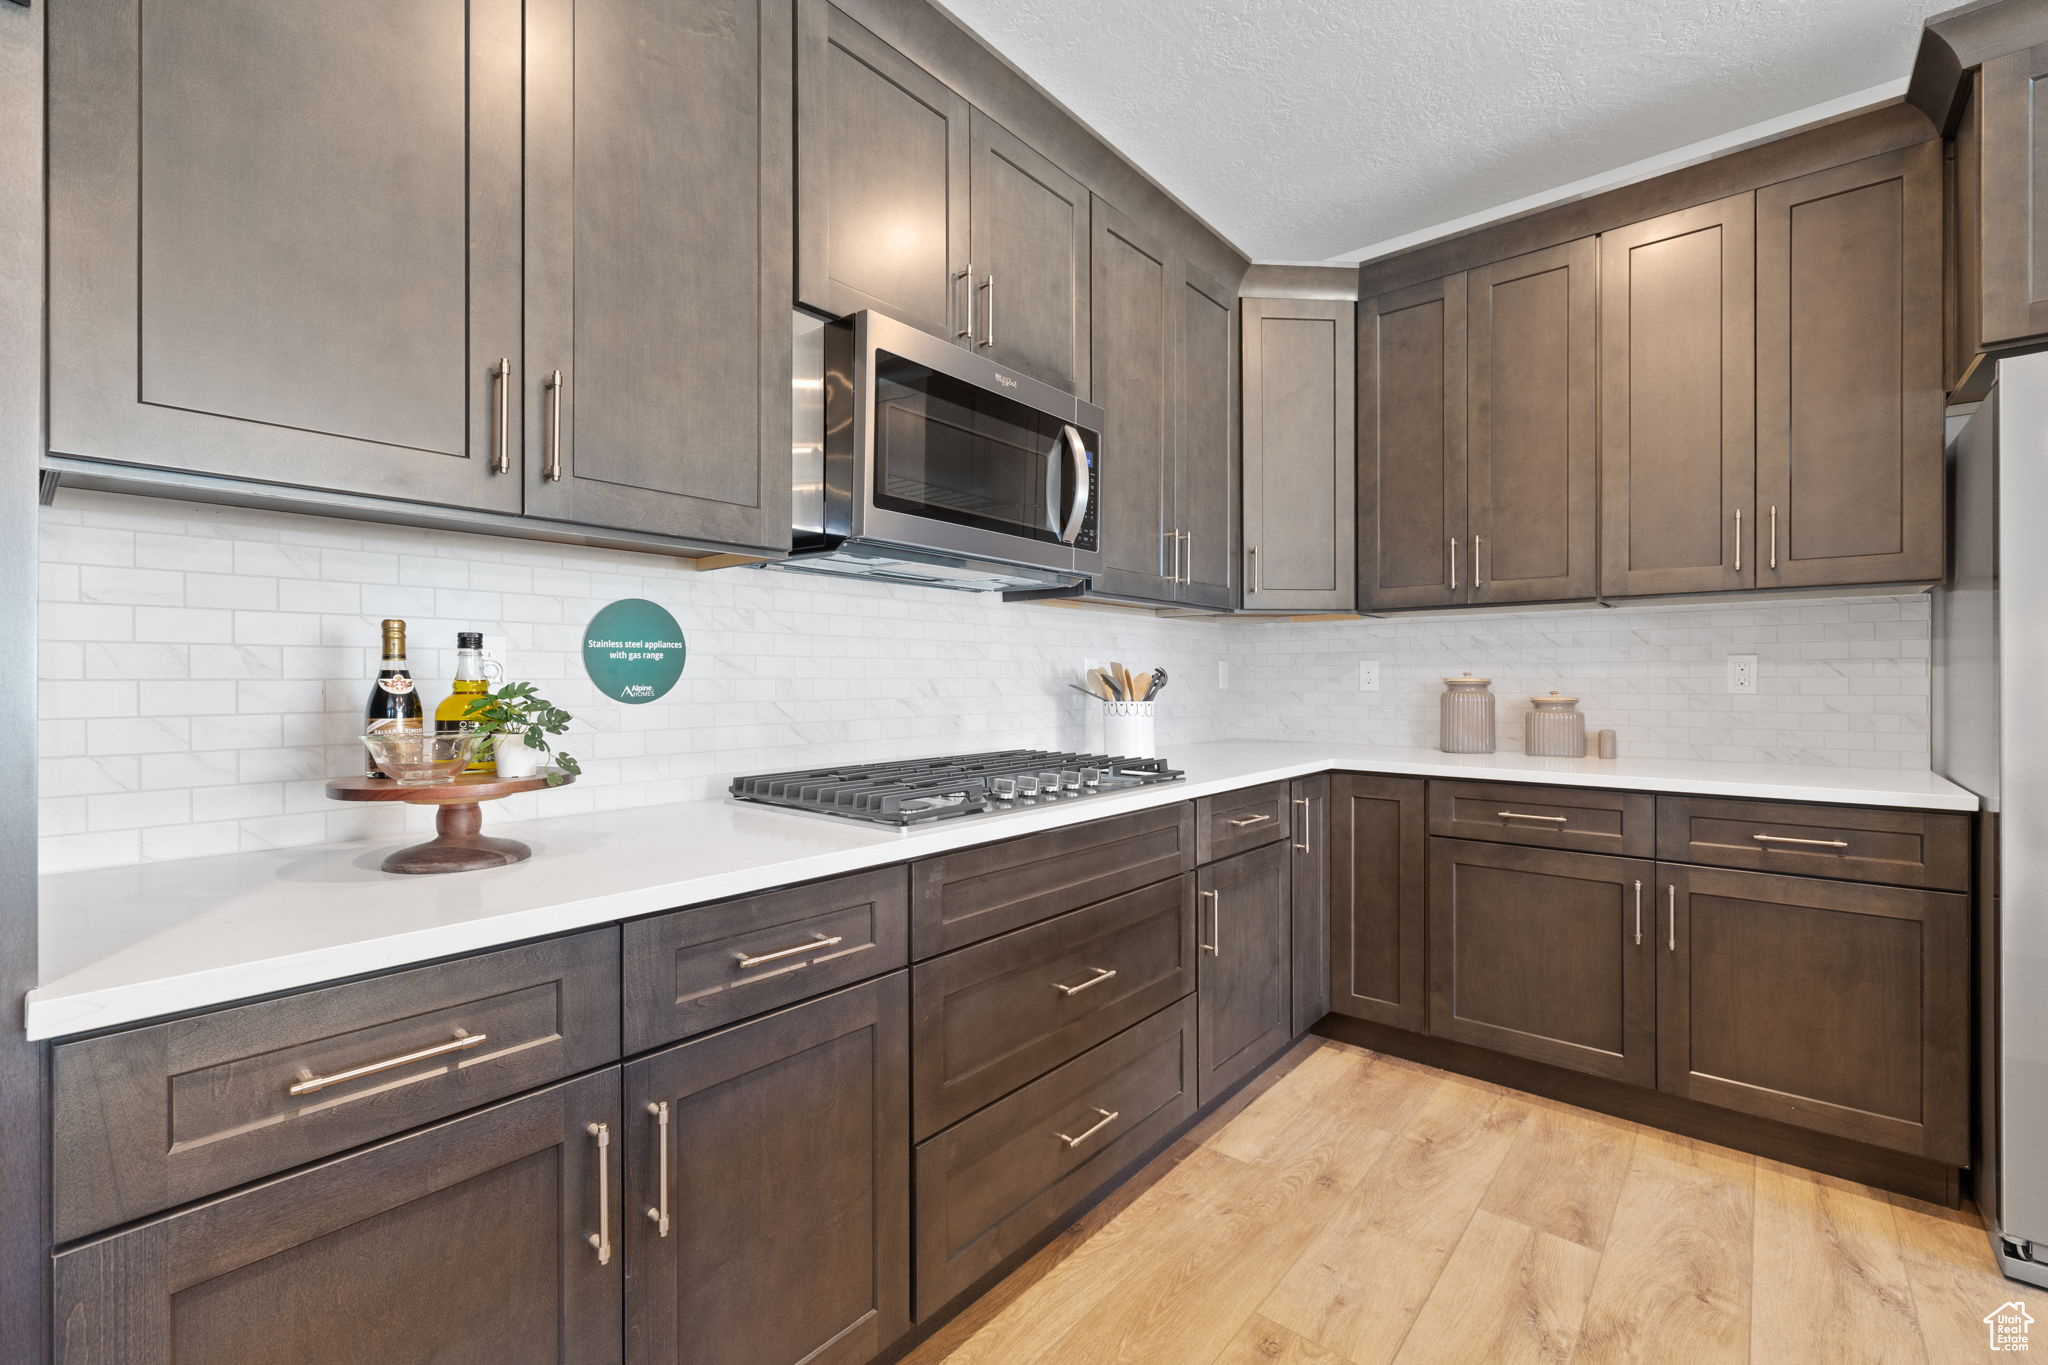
x=1412 y=534
x=1678 y=401
x=311 y=273
x=1300 y=458
x=428 y=255
x=2001 y=238
x=1205 y=448
x=1029 y=249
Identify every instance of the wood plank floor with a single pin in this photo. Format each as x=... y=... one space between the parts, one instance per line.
x=1355 y=1209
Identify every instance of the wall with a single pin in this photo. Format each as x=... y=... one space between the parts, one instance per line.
x=204 y=671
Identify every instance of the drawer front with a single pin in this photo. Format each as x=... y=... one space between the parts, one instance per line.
x=1235 y=821
x=987 y=1186
x=1618 y=823
x=702 y=968
x=156 y=1116
x=977 y=893
x=1925 y=849
x=992 y=1017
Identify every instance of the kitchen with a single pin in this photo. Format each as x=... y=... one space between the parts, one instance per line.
x=989 y=740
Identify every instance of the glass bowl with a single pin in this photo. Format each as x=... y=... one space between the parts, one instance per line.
x=420 y=758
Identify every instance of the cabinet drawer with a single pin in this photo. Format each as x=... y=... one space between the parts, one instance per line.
x=1925 y=849
x=159 y=1115
x=701 y=968
x=987 y=1186
x=989 y=1018
x=974 y=894
x=1620 y=823
x=1236 y=821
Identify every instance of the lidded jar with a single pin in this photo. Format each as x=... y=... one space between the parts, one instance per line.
x=1555 y=729
x=1466 y=710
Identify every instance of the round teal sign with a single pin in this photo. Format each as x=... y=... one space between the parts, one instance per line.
x=633 y=650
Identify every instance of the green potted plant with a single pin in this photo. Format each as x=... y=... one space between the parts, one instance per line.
x=521 y=725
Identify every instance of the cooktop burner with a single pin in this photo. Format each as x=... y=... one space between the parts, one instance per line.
x=912 y=792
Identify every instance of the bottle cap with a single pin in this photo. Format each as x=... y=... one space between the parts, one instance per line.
x=394 y=639
x=469 y=639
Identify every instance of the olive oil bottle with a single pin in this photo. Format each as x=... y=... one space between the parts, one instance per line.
x=394 y=698
x=470 y=686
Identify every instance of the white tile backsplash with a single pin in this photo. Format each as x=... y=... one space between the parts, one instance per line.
x=204 y=670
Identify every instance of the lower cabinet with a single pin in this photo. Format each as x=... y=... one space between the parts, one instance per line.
x=1310 y=898
x=492 y=1239
x=1836 y=1006
x=1546 y=954
x=1242 y=915
x=1378 y=868
x=767 y=1212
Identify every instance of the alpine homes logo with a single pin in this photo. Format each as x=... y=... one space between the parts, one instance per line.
x=2008 y=1325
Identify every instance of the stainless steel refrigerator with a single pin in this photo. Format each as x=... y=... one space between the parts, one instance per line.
x=1990 y=678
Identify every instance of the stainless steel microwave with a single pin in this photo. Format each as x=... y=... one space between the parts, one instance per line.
x=940 y=466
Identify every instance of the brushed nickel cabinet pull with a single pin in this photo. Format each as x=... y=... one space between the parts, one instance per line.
x=1808 y=843
x=1102 y=974
x=552 y=468
x=1187 y=572
x=1672 y=941
x=1454 y=563
x=1547 y=819
x=1303 y=847
x=501 y=441
x=1109 y=1116
x=308 y=1083
x=1477 y=582
x=1214 y=947
x=1173 y=539
x=817 y=941
x=658 y=1215
x=602 y=1238
x=968 y=276
x=1639 y=914
x=988 y=338
x=1774 y=535
x=1258 y=579
x=1244 y=820
x=1738 y=540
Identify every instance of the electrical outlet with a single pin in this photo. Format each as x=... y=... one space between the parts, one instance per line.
x=1742 y=673
x=1368 y=675
x=1223 y=675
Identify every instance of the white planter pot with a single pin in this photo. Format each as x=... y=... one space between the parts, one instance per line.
x=515 y=759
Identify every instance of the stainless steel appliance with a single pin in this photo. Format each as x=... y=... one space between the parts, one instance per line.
x=921 y=462
x=1990 y=665
x=923 y=789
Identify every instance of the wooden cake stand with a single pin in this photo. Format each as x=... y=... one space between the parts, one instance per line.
x=458 y=845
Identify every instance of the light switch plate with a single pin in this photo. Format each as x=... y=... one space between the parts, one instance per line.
x=1742 y=673
x=1368 y=675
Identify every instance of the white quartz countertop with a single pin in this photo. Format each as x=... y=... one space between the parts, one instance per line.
x=126 y=944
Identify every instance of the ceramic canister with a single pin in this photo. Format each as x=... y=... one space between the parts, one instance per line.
x=1555 y=729
x=1466 y=709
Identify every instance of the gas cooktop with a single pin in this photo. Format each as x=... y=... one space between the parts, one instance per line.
x=912 y=792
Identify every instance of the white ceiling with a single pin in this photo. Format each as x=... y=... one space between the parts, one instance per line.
x=1310 y=130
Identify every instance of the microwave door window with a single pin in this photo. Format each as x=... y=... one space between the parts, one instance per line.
x=952 y=452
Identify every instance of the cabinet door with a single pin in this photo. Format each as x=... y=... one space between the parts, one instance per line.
x=1545 y=954
x=1029 y=243
x=1834 y=1006
x=1300 y=457
x=2011 y=193
x=1245 y=965
x=1131 y=306
x=312 y=275
x=768 y=1205
x=1533 y=365
x=1378 y=879
x=1849 y=382
x=1678 y=402
x=1310 y=898
x=473 y=1242
x=658 y=338
x=1205 y=483
x=1412 y=535
x=881 y=188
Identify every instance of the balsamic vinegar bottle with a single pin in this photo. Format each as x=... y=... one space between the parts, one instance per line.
x=394 y=699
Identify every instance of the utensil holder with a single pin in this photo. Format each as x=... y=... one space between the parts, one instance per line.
x=1127 y=729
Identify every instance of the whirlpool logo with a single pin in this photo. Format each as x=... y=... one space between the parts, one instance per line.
x=1006 y=381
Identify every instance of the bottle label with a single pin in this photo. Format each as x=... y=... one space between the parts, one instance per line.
x=397 y=686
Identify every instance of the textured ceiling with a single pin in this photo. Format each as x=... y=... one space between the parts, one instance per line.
x=1307 y=130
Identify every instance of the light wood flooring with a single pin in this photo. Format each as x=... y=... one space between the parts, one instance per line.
x=1355 y=1209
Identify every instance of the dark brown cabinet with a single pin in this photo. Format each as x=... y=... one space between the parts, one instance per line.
x=655 y=390
x=2001 y=240
x=1412 y=533
x=313 y=276
x=1379 y=868
x=1849 y=377
x=1309 y=895
x=767 y=1211
x=1205 y=473
x=1837 y=1007
x=1243 y=915
x=493 y=1239
x=1678 y=401
x=1545 y=954
x=1300 y=455
x=882 y=175
x=1028 y=243
x=1530 y=452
